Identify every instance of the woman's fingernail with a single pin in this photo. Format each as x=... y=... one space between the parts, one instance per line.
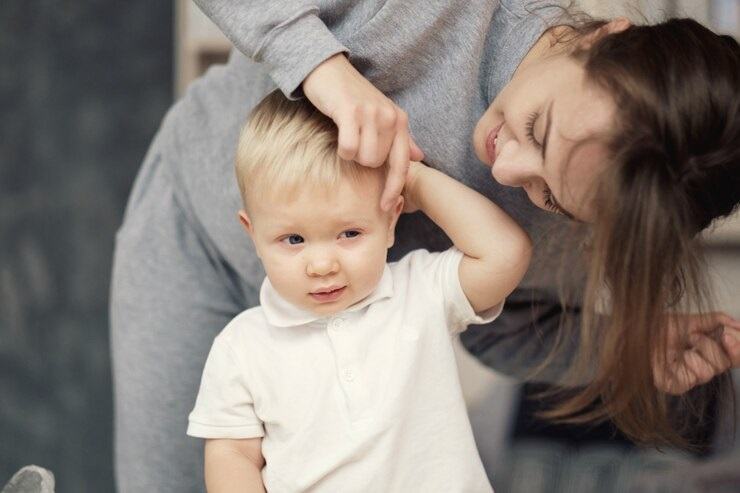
x=730 y=338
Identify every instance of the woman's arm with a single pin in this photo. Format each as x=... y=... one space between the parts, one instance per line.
x=496 y=250
x=234 y=465
x=293 y=41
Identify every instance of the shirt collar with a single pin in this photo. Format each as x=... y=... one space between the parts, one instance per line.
x=282 y=313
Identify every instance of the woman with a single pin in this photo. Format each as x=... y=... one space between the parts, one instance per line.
x=181 y=271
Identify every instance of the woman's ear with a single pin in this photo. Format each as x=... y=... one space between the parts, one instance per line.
x=613 y=26
x=394 y=213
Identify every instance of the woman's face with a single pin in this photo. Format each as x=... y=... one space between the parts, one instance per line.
x=539 y=132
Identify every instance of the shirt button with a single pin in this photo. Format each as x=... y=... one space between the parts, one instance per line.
x=337 y=323
x=349 y=375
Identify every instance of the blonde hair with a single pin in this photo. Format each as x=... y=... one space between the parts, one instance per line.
x=289 y=145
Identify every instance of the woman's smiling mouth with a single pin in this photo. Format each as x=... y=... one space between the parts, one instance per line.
x=491 y=141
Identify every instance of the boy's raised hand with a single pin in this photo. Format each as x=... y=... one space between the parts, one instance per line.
x=372 y=128
x=410 y=203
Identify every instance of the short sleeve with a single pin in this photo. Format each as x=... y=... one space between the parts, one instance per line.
x=224 y=407
x=442 y=272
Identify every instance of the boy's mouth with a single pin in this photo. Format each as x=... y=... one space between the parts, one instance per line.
x=325 y=295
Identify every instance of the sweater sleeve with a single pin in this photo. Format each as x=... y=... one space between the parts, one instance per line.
x=288 y=36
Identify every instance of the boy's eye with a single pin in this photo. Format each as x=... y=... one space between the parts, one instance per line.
x=350 y=233
x=293 y=239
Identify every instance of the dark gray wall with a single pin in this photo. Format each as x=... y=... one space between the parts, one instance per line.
x=83 y=87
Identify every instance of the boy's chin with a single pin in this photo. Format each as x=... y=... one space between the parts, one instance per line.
x=327 y=309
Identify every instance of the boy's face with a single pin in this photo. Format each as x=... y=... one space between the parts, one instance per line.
x=323 y=250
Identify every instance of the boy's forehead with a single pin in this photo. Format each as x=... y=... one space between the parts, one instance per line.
x=348 y=200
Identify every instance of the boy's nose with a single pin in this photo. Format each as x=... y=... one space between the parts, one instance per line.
x=322 y=266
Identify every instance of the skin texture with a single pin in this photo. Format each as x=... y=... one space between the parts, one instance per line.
x=348 y=248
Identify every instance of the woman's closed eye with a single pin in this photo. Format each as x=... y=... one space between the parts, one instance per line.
x=551 y=204
x=529 y=128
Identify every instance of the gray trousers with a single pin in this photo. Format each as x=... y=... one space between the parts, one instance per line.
x=170 y=296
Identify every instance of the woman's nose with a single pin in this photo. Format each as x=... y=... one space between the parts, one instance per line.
x=322 y=263
x=515 y=165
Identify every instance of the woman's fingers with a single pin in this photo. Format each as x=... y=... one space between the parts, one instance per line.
x=377 y=133
x=713 y=354
x=398 y=165
x=704 y=360
x=712 y=321
x=368 y=121
x=731 y=345
x=677 y=376
x=696 y=369
x=348 y=139
x=726 y=320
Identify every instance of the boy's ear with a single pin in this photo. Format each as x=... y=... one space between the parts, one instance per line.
x=394 y=212
x=246 y=222
x=249 y=228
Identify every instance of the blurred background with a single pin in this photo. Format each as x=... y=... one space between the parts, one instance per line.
x=83 y=88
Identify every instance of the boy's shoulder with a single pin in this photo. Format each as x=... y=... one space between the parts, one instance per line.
x=421 y=260
x=249 y=323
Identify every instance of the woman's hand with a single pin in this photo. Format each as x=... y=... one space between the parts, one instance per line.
x=713 y=348
x=372 y=128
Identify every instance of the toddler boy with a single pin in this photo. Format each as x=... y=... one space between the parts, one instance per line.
x=344 y=378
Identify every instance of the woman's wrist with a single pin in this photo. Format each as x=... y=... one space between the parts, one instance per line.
x=325 y=76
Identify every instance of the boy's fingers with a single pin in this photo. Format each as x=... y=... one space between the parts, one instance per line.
x=398 y=165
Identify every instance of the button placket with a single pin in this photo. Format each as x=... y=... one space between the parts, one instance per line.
x=346 y=360
x=348 y=374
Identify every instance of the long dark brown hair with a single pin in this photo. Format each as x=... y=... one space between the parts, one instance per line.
x=675 y=153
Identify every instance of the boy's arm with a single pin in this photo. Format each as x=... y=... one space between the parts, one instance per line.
x=496 y=250
x=234 y=465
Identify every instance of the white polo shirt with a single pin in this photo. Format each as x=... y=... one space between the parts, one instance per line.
x=365 y=400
